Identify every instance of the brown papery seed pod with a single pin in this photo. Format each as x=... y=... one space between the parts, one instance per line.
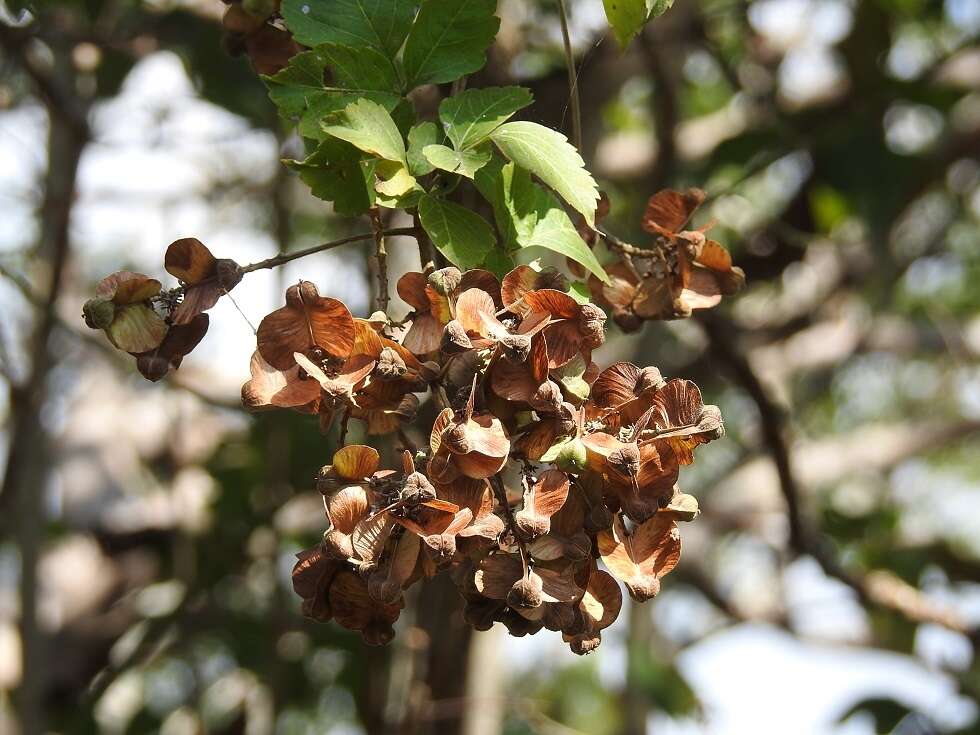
x=526 y=592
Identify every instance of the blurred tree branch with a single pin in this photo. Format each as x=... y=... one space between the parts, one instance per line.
x=877 y=587
x=28 y=459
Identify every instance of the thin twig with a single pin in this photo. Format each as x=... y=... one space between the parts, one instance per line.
x=239 y=308
x=284 y=258
x=381 y=255
x=572 y=77
x=501 y=492
x=343 y=426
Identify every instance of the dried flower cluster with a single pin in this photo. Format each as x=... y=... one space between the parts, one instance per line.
x=684 y=271
x=538 y=466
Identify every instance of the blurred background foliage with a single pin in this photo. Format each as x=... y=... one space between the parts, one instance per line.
x=832 y=583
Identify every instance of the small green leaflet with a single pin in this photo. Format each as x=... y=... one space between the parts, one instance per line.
x=335 y=172
x=464 y=237
x=470 y=116
x=380 y=24
x=570 y=377
x=324 y=105
x=394 y=179
x=422 y=135
x=448 y=40
x=465 y=163
x=368 y=126
x=580 y=292
x=547 y=154
x=530 y=216
x=627 y=17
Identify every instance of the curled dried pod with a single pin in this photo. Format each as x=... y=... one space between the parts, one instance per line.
x=338 y=544
x=559 y=616
x=627 y=321
x=327 y=481
x=378 y=633
x=429 y=371
x=645 y=588
x=456 y=438
x=443 y=546
x=626 y=460
x=304 y=292
x=454 y=339
x=408 y=406
x=382 y=588
x=531 y=526
x=649 y=378
x=592 y=324
x=525 y=594
x=98 y=313
x=578 y=547
x=551 y=277
x=519 y=626
x=153 y=367
x=390 y=365
x=228 y=273
x=481 y=612
x=445 y=281
x=585 y=644
x=516 y=347
x=417 y=489
x=598 y=519
x=547 y=398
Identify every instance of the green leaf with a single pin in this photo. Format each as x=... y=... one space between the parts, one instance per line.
x=465 y=163
x=298 y=90
x=326 y=105
x=627 y=17
x=496 y=182
x=422 y=135
x=469 y=117
x=379 y=24
x=291 y=87
x=498 y=262
x=547 y=154
x=360 y=68
x=464 y=237
x=394 y=179
x=336 y=173
x=555 y=231
x=529 y=216
x=448 y=40
x=368 y=126
x=580 y=292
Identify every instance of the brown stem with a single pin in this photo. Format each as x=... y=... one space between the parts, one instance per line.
x=501 y=492
x=343 y=426
x=427 y=253
x=284 y=258
x=573 y=94
x=377 y=229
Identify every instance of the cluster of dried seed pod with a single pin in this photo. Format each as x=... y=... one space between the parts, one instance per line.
x=538 y=469
x=522 y=466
